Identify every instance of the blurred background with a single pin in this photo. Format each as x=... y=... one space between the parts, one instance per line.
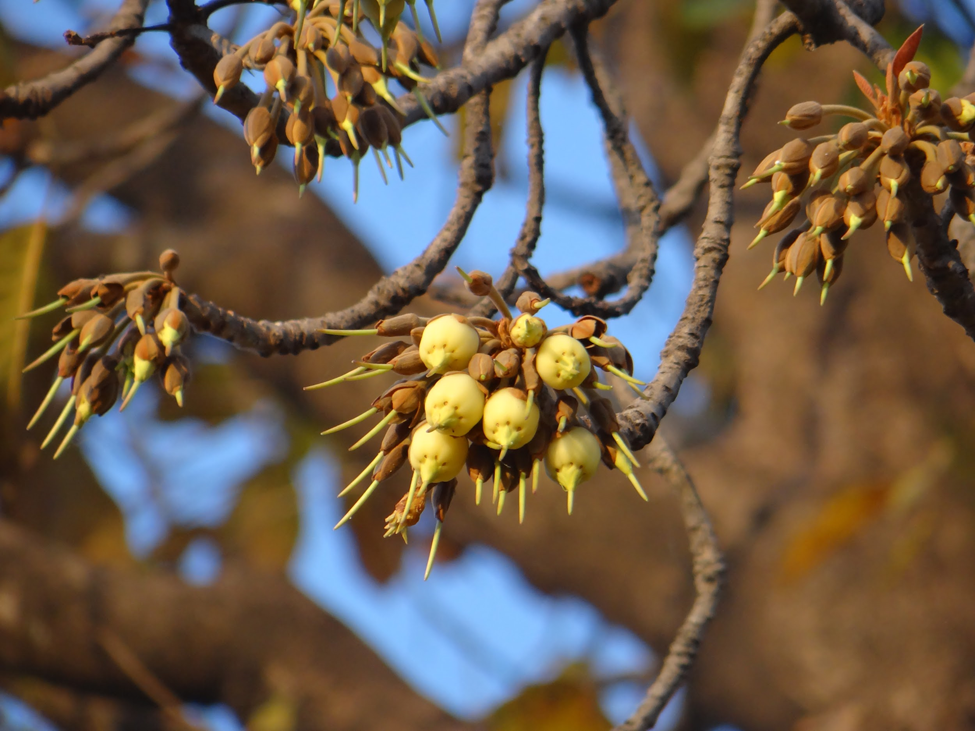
x=832 y=446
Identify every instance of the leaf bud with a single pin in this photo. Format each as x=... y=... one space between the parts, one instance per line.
x=804 y=115
x=562 y=362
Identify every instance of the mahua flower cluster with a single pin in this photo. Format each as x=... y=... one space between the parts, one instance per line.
x=497 y=397
x=838 y=184
x=322 y=47
x=118 y=332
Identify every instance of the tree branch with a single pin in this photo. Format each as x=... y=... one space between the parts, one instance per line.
x=251 y=635
x=708 y=568
x=683 y=348
x=36 y=98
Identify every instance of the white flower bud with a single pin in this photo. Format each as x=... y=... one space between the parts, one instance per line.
x=562 y=362
x=447 y=344
x=454 y=404
x=435 y=456
x=508 y=421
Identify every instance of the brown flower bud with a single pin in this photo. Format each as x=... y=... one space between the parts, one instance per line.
x=963 y=201
x=804 y=115
x=855 y=181
x=226 y=74
x=915 y=75
x=950 y=155
x=79 y=319
x=142 y=302
x=338 y=58
x=176 y=377
x=147 y=356
x=766 y=164
x=775 y=221
x=311 y=38
x=395 y=435
x=832 y=245
x=894 y=173
x=99 y=391
x=895 y=141
x=263 y=156
x=109 y=291
x=860 y=212
x=393 y=460
x=958 y=114
x=480 y=462
x=789 y=185
x=77 y=292
x=96 y=331
x=303 y=94
x=481 y=368
x=400 y=325
x=279 y=72
x=890 y=209
x=963 y=177
x=372 y=127
x=323 y=119
x=171 y=327
x=367 y=96
x=258 y=127
x=479 y=283
x=408 y=363
x=350 y=81
x=853 y=136
x=405 y=46
x=830 y=275
x=300 y=129
x=933 y=178
x=169 y=261
x=588 y=326
x=428 y=55
x=443 y=493
x=393 y=125
x=803 y=256
x=794 y=156
x=407 y=397
x=603 y=414
x=925 y=104
x=384 y=353
x=264 y=50
x=416 y=335
x=507 y=363
x=900 y=242
x=824 y=161
x=306 y=166
x=70 y=360
x=364 y=53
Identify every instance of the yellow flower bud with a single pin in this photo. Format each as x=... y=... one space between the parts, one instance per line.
x=507 y=421
x=447 y=344
x=527 y=331
x=562 y=362
x=454 y=404
x=435 y=456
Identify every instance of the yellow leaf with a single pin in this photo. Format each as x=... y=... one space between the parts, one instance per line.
x=568 y=703
x=20 y=260
x=277 y=713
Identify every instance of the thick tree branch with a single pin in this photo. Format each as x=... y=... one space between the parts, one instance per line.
x=708 y=568
x=250 y=635
x=36 y=98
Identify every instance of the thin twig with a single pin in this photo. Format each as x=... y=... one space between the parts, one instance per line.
x=708 y=568
x=683 y=347
x=73 y=38
x=143 y=677
x=531 y=226
x=36 y=98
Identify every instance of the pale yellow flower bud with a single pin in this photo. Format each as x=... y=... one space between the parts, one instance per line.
x=447 y=344
x=454 y=404
x=435 y=456
x=507 y=422
x=562 y=362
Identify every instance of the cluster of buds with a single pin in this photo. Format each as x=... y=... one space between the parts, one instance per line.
x=323 y=47
x=118 y=331
x=499 y=397
x=849 y=181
